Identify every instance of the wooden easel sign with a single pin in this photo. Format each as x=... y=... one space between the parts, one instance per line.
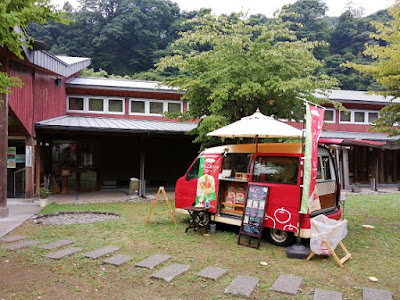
x=169 y=210
x=253 y=216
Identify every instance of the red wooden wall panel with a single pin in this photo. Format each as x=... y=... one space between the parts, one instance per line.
x=49 y=99
x=21 y=99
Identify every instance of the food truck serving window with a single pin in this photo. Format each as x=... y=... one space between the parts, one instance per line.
x=272 y=169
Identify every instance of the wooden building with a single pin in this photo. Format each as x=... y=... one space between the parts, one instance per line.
x=84 y=134
x=363 y=156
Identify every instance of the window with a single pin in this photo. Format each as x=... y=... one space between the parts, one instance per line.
x=282 y=170
x=174 y=107
x=156 y=108
x=75 y=103
x=96 y=104
x=345 y=117
x=372 y=117
x=193 y=171
x=138 y=107
x=329 y=115
x=324 y=168
x=359 y=117
x=116 y=105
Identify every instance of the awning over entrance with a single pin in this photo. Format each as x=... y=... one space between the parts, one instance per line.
x=79 y=123
x=371 y=136
x=353 y=142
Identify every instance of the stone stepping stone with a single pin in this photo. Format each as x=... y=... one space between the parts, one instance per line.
x=170 y=272
x=372 y=294
x=242 y=285
x=212 y=272
x=153 y=261
x=13 y=238
x=288 y=284
x=100 y=252
x=63 y=253
x=117 y=259
x=327 y=295
x=19 y=245
x=56 y=244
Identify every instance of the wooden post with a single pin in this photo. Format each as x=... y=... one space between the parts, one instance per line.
x=161 y=190
x=142 y=182
x=29 y=169
x=345 y=162
x=37 y=167
x=3 y=147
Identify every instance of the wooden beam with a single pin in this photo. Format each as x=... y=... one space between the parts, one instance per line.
x=3 y=146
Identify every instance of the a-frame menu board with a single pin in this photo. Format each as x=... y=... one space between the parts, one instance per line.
x=253 y=217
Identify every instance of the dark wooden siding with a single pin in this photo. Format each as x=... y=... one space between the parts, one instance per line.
x=21 y=99
x=49 y=99
x=39 y=98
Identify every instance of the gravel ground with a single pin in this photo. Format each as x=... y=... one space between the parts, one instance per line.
x=73 y=218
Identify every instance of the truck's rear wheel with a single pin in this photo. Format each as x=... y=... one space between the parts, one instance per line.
x=279 y=237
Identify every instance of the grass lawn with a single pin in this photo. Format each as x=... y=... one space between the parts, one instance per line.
x=28 y=274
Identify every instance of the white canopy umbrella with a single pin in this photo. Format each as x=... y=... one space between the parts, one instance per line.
x=257 y=126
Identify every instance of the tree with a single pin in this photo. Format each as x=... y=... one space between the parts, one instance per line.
x=242 y=68
x=386 y=68
x=15 y=16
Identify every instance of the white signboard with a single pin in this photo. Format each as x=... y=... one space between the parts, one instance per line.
x=28 y=156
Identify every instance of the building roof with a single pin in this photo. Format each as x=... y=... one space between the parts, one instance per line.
x=357 y=96
x=121 y=84
x=61 y=65
x=358 y=136
x=102 y=124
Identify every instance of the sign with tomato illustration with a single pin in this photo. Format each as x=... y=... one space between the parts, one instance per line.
x=207 y=183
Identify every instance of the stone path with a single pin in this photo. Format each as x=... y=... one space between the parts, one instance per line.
x=287 y=284
x=153 y=261
x=56 y=244
x=212 y=273
x=117 y=259
x=19 y=245
x=101 y=252
x=63 y=253
x=372 y=294
x=327 y=295
x=13 y=238
x=170 y=272
x=242 y=285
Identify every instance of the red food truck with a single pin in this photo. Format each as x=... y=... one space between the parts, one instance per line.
x=219 y=178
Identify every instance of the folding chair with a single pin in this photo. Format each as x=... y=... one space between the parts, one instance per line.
x=328 y=233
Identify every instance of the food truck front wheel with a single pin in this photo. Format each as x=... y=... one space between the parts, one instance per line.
x=279 y=237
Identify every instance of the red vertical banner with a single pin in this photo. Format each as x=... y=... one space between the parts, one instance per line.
x=314 y=122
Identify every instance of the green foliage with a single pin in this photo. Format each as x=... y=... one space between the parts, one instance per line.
x=15 y=16
x=44 y=193
x=234 y=67
x=386 y=67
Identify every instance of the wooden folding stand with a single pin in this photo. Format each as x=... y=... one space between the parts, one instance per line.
x=169 y=210
x=325 y=242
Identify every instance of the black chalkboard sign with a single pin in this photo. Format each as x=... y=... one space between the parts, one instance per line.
x=253 y=216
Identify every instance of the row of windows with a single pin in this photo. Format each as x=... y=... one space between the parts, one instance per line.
x=354 y=116
x=117 y=106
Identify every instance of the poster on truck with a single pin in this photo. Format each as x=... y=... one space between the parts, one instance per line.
x=207 y=183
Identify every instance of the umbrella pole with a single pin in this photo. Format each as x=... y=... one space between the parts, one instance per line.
x=256 y=143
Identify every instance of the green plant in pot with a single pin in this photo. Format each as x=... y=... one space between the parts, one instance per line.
x=44 y=194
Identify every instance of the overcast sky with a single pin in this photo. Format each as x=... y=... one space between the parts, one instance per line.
x=267 y=7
